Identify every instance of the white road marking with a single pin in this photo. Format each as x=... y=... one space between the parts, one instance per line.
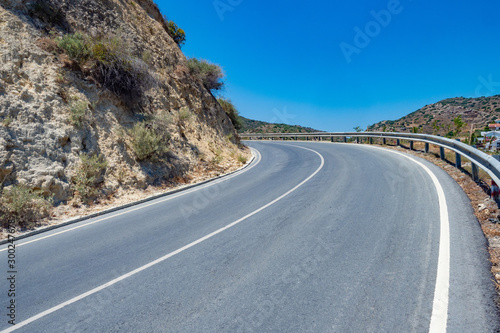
x=155 y=202
x=439 y=317
x=165 y=257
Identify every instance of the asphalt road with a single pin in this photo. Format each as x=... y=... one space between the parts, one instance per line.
x=333 y=238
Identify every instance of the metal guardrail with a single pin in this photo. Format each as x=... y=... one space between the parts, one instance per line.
x=478 y=158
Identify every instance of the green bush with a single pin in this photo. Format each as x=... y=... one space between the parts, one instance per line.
x=177 y=34
x=89 y=174
x=109 y=61
x=22 y=206
x=78 y=110
x=242 y=159
x=231 y=112
x=145 y=142
x=218 y=157
x=7 y=121
x=75 y=46
x=211 y=75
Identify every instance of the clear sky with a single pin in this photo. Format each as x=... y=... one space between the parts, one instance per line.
x=333 y=65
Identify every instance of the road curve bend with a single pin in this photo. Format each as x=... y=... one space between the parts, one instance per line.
x=313 y=237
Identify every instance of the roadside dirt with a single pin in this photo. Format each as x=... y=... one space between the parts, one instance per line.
x=75 y=209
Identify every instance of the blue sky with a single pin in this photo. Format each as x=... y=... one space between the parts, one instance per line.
x=333 y=65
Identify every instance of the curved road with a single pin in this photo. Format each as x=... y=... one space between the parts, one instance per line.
x=312 y=237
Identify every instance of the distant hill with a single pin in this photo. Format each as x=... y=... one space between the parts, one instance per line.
x=438 y=118
x=257 y=126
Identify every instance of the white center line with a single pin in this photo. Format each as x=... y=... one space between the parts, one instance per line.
x=165 y=257
x=155 y=202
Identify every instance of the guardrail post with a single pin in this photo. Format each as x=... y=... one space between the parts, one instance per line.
x=345 y=139
x=441 y=153
x=384 y=141
x=458 y=159
x=475 y=172
x=411 y=145
x=331 y=138
x=307 y=138
x=357 y=139
x=397 y=142
x=371 y=140
x=426 y=147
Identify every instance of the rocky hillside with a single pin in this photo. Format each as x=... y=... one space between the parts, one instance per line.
x=96 y=96
x=438 y=118
x=257 y=126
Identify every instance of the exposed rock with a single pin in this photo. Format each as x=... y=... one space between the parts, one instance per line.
x=494 y=242
x=38 y=144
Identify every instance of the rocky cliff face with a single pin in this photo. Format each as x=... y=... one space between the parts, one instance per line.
x=40 y=88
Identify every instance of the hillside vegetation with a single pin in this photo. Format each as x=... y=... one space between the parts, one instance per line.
x=256 y=126
x=96 y=99
x=441 y=117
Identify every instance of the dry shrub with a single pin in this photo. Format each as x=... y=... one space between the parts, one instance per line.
x=109 y=61
x=211 y=75
x=47 y=44
x=89 y=174
x=21 y=206
x=146 y=143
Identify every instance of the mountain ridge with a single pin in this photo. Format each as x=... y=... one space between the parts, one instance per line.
x=438 y=118
x=258 y=126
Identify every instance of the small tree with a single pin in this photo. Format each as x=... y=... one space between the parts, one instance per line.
x=435 y=127
x=459 y=124
x=357 y=129
x=177 y=34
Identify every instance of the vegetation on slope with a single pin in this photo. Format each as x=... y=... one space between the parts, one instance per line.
x=112 y=106
x=231 y=112
x=257 y=126
x=448 y=117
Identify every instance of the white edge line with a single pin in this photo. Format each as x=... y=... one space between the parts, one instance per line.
x=165 y=257
x=155 y=202
x=439 y=317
